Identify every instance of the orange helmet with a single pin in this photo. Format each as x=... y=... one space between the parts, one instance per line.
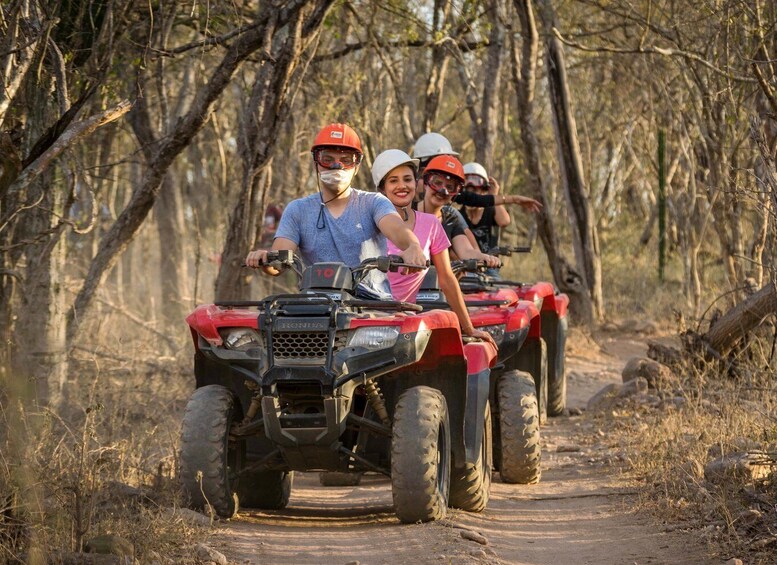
x=447 y=165
x=337 y=135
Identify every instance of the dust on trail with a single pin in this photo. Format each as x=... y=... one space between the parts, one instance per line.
x=580 y=512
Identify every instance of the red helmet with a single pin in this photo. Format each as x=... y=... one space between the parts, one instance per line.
x=447 y=165
x=338 y=135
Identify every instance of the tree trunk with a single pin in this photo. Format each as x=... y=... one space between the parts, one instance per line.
x=132 y=217
x=40 y=353
x=273 y=93
x=173 y=258
x=584 y=234
x=169 y=220
x=485 y=130
x=565 y=278
x=437 y=67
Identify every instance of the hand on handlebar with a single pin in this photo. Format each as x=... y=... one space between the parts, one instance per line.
x=273 y=261
x=257 y=258
x=491 y=261
x=414 y=256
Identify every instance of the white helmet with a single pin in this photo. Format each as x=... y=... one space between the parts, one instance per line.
x=476 y=169
x=432 y=144
x=388 y=160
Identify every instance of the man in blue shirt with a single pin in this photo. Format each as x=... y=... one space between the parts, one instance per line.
x=341 y=223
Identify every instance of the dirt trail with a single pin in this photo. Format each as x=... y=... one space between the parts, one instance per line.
x=581 y=511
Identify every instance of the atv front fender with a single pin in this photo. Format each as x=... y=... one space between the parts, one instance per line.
x=474 y=408
x=480 y=356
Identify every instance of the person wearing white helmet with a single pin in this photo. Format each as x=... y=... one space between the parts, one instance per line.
x=483 y=222
x=394 y=174
x=432 y=144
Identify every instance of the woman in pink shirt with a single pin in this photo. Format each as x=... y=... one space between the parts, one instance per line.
x=394 y=174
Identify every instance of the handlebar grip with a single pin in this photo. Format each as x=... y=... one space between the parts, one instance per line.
x=394 y=262
x=284 y=256
x=522 y=249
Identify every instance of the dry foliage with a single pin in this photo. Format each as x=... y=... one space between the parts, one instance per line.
x=105 y=465
x=709 y=415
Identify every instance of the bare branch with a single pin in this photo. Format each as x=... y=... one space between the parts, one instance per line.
x=388 y=45
x=219 y=40
x=72 y=134
x=652 y=50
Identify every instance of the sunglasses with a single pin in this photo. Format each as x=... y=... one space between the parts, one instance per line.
x=333 y=159
x=439 y=183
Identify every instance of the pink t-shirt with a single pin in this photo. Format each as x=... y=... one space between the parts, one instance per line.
x=433 y=240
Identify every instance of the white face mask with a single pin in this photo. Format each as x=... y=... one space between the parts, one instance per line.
x=337 y=179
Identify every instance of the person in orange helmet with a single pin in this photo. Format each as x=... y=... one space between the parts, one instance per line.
x=341 y=223
x=443 y=179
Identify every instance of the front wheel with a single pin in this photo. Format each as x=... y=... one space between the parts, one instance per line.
x=471 y=484
x=265 y=489
x=519 y=427
x=208 y=459
x=420 y=455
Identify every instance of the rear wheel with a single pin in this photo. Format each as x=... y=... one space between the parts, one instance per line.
x=420 y=455
x=519 y=428
x=209 y=460
x=471 y=484
x=265 y=489
x=337 y=479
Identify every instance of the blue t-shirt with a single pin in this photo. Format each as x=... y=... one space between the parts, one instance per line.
x=349 y=239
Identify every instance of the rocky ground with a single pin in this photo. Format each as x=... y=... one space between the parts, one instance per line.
x=581 y=512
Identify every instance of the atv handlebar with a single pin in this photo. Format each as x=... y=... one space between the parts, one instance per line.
x=385 y=264
x=468 y=266
x=285 y=258
x=507 y=250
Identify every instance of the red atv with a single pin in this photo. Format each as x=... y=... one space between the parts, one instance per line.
x=512 y=391
x=553 y=306
x=320 y=380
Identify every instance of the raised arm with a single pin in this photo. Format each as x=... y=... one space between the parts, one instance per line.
x=469 y=198
x=501 y=215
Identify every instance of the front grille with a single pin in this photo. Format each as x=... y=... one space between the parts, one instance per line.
x=305 y=345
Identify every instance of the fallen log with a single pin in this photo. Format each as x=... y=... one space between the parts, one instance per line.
x=735 y=324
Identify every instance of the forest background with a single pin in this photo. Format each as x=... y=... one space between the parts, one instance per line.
x=140 y=144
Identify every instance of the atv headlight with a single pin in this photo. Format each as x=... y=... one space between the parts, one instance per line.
x=379 y=337
x=496 y=331
x=240 y=339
